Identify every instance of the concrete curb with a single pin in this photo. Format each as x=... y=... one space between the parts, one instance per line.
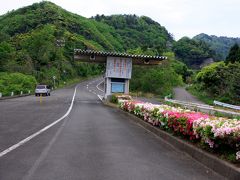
x=220 y=166
x=16 y=96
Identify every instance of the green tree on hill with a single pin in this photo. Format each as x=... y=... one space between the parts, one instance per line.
x=221 y=45
x=138 y=32
x=220 y=81
x=234 y=54
x=6 y=53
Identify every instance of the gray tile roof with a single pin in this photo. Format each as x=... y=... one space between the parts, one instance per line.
x=117 y=54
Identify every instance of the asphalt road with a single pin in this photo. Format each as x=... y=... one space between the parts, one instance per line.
x=93 y=142
x=181 y=94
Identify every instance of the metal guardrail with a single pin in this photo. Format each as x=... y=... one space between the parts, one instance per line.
x=188 y=103
x=201 y=106
x=226 y=105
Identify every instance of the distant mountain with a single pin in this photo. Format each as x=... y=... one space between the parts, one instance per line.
x=221 y=45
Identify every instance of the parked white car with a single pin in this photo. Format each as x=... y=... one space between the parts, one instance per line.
x=42 y=90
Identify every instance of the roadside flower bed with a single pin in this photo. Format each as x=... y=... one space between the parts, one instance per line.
x=216 y=132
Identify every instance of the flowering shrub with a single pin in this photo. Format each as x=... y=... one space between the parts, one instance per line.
x=217 y=131
x=214 y=131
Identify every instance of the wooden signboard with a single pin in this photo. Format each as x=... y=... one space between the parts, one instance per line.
x=119 y=67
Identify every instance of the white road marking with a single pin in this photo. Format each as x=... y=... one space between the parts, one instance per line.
x=98 y=87
x=100 y=97
x=44 y=153
x=40 y=131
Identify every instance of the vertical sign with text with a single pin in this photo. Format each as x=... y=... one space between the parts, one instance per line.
x=119 y=67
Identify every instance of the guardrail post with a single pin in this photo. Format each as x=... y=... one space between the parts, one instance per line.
x=0 y=95
x=12 y=93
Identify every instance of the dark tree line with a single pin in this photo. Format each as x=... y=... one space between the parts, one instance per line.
x=234 y=54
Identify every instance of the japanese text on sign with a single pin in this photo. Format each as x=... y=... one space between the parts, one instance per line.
x=118 y=67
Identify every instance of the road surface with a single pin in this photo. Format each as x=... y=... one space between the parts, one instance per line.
x=181 y=94
x=93 y=142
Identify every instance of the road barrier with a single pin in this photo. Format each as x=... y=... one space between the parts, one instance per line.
x=187 y=103
x=202 y=107
x=14 y=96
x=226 y=105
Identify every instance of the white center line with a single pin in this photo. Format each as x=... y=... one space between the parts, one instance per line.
x=40 y=131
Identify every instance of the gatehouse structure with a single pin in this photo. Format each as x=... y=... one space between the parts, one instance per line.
x=118 y=67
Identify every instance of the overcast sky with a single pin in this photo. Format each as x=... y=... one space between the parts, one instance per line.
x=180 y=17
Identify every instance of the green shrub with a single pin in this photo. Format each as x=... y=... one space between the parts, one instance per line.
x=158 y=80
x=220 y=81
x=114 y=99
x=16 y=82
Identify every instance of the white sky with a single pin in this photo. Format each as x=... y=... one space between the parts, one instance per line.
x=180 y=17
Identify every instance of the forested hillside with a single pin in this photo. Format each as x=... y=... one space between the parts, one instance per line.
x=139 y=32
x=38 y=40
x=192 y=52
x=220 y=80
x=221 y=45
x=37 y=43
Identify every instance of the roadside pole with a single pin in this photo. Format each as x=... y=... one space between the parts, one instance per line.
x=54 y=78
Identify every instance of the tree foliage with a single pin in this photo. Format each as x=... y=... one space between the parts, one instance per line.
x=38 y=41
x=221 y=45
x=192 y=52
x=137 y=32
x=16 y=82
x=6 y=54
x=221 y=81
x=234 y=54
x=158 y=80
x=29 y=40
